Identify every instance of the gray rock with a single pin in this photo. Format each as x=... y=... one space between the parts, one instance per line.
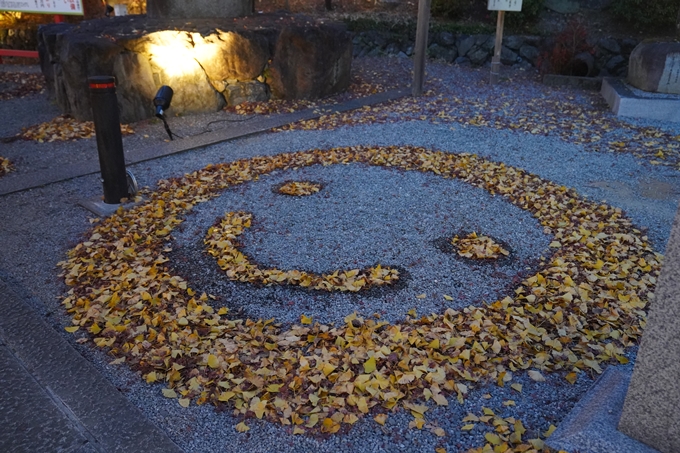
x=77 y=59
x=650 y=411
x=462 y=61
x=514 y=42
x=530 y=53
x=654 y=66
x=311 y=62
x=610 y=45
x=241 y=92
x=307 y=61
x=374 y=52
x=408 y=50
x=442 y=53
x=622 y=71
x=627 y=45
x=562 y=6
x=446 y=39
x=465 y=44
x=604 y=73
x=136 y=88
x=490 y=43
x=402 y=55
x=508 y=57
x=375 y=38
x=392 y=48
x=478 y=57
x=615 y=63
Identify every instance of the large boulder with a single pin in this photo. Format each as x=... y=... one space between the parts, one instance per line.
x=655 y=67
x=311 y=62
x=208 y=63
x=79 y=59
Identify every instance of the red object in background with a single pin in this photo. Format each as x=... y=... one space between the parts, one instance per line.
x=58 y=18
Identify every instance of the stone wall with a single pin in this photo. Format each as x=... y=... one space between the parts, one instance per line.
x=610 y=57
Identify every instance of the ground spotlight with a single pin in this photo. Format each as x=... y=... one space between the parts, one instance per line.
x=162 y=102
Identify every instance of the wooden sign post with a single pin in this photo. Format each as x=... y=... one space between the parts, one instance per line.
x=420 y=51
x=501 y=6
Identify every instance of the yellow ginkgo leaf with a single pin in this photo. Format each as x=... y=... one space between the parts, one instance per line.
x=369 y=365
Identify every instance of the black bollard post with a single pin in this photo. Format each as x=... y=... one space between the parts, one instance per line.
x=109 y=139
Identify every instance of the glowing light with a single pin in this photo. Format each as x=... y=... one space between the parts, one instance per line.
x=177 y=54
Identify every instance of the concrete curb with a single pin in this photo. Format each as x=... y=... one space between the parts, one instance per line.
x=52 y=397
x=70 y=171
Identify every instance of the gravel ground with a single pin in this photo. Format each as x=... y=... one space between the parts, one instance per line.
x=361 y=217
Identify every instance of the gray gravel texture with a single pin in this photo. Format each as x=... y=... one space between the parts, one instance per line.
x=347 y=222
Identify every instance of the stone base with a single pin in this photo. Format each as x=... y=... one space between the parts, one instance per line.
x=625 y=102
x=588 y=83
x=209 y=63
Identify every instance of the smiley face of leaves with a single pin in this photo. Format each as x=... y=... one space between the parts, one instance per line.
x=580 y=310
x=221 y=242
x=478 y=247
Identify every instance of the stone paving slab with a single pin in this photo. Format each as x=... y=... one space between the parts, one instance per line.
x=233 y=131
x=591 y=427
x=52 y=399
x=30 y=418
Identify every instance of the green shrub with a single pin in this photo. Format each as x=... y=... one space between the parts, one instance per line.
x=531 y=9
x=476 y=10
x=450 y=9
x=647 y=13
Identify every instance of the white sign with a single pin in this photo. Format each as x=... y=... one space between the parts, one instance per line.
x=74 y=7
x=501 y=5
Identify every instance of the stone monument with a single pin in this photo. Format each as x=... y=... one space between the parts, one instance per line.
x=651 y=412
x=207 y=55
x=655 y=67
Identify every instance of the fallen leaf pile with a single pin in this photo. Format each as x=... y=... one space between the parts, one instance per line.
x=592 y=126
x=222 y=244
x=19 y=84
x=506 y=435
x=478 y=247
x=299 y=188
x=5 y=166
x=358 y=89
x=575 y=314
x=63 y=128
